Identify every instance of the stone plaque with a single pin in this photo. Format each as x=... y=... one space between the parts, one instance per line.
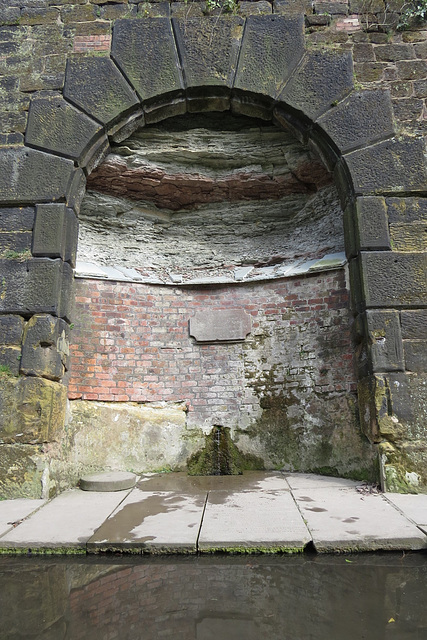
x=220 y=325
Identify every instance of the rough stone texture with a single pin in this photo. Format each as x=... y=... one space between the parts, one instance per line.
x=36 y=286
x=278 y=41
x=361 y=119
x=28 y=176
x=393 y=410
x=394 y=165
x=209 y=49
x=186 y=187
x=322 y=79
x=55 y=232
x=16 y=219
x=110 y=97
x=145 y=51
x=21 y=471
x=386 y=347
x=32 y=410
x=45 y=350
x=366 y=225
x=415 y=355
x=409 y=237
x=220 y=326
x=414 y=324
x=54 y=125
x=392 y=279
x=406 y=210
x=11 y=328
x=133 y=437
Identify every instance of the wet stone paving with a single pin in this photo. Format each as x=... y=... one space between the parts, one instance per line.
x=254 y=512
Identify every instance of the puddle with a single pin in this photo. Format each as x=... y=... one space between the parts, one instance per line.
x=364 y=596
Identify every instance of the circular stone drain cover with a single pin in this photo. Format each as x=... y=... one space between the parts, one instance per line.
x=110 y=481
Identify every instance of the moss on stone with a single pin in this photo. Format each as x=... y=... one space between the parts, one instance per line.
x=220 y=456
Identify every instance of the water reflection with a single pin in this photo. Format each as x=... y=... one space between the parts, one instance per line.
x=359 y=597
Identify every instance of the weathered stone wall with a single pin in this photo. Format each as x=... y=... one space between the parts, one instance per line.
x=287 y=391
x=338 y=75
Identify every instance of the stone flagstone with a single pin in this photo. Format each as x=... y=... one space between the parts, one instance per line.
x=12 y=512
x=341 y=519
x=152 y=521
x=412 y=506
x=64 y=524
x=265 y=520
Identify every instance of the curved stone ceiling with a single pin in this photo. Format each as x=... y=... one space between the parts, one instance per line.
x=202 y=194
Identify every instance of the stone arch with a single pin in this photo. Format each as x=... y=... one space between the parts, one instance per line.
x=258 y=66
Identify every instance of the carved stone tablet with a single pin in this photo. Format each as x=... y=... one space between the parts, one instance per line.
x=220 y=325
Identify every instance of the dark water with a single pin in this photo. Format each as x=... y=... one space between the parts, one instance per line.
x=359 y=597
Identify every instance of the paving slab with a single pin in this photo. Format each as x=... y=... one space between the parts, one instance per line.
x=63 y=525
x=412 y=506
x=252 y=521
x=299 y=481
x=152 y=522
x=12 y=512
x=341 y=519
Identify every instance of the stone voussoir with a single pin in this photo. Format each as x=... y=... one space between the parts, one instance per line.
x=54 y=125
x=158 y=72
x=360 y=120
x=276 y=40
x=322 y=79
x=110 y=99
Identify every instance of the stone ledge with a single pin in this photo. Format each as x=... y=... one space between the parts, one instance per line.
x=239 y=274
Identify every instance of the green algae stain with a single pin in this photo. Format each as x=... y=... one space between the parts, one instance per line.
x=221 y=457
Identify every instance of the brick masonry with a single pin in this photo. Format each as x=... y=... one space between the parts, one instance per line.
x=131 y=342
x=286 y=391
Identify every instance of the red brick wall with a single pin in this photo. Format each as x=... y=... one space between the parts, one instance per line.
x=131 y=343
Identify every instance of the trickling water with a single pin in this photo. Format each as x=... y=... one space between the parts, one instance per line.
x=217 y=450
x=221 y=457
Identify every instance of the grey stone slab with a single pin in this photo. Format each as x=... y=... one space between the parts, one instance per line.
x=110 y=97
x=89 y=270
x=152 y=521
x=64 y=524
x=28 y=176
x=242 y=272
x=220 y=325
x=412 y=506
x=272 y=47
x=209 y=49
x=363 y=118
x=330 y=261
x=341 y=519
x=324 y=77
x=300 y=481
x=55 y=125
x=13 y=511
x=145 y=50
x=265 y=520
x=394 y=279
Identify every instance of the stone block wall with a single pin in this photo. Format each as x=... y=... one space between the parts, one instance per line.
x=337 y=74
